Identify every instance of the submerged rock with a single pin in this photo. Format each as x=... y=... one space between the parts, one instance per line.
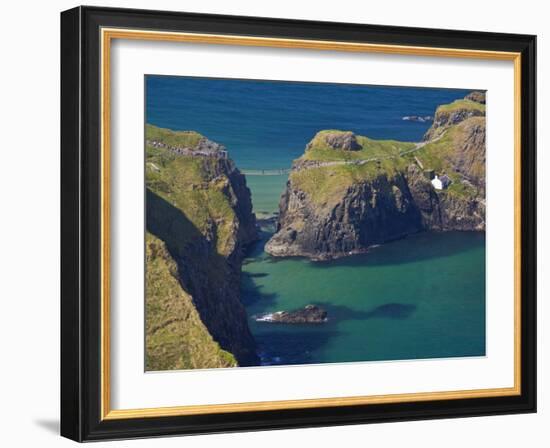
x=310 y=314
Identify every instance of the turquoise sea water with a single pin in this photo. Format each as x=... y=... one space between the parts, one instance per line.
x=266 y=192
x=420 y=297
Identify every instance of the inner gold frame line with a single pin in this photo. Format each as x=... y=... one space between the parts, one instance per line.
x=107 y=36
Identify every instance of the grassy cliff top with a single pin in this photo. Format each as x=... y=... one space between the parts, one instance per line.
x=366 y=160
x=325 y=185
x=462 y=104
x=320 y=148
x=169 y=137
x=193 y=185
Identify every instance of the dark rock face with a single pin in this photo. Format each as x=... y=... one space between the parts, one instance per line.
x=241 y=201
x=310 y=314
x=478 y=97
x=369 y=213
x=346 y=141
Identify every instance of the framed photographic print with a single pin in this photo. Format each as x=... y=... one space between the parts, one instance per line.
x=274 y=224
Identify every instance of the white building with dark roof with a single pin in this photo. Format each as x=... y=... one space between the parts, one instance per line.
x=440 y=183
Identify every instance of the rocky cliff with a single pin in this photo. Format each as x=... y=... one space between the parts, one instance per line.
x=176 y=335
x=199 y=209
x=348 y=192
x=447 y=115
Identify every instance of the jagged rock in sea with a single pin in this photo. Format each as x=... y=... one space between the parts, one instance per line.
x=199 y=207
x=338 y=203
x=310 y=314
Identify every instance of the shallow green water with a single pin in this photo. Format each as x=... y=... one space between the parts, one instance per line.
x=420 y=297
x=266 y=192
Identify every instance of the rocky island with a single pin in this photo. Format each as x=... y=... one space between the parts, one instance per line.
x=348 y=192
x=199 y=222
x=310 y=314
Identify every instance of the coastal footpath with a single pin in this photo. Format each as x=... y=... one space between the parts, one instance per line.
x=348 y=192
x=199 y=223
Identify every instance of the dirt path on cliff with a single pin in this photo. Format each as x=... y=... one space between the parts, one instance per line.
x=317 y=164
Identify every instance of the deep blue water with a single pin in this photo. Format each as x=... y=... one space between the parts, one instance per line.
x=266 y=124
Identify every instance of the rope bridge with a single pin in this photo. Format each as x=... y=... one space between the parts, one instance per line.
x=261 y=172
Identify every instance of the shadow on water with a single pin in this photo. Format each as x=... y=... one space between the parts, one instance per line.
x=252 y=293
x=299 y=344
x=296 y=347
x=257 y=274
x=387 y=311
x=414 y=248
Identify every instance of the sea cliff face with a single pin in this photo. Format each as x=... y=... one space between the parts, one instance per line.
x=199 y=209
x=349 y=192
x=447 y=115
x=366 y=213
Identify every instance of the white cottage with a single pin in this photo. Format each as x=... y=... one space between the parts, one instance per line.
x=440 y=183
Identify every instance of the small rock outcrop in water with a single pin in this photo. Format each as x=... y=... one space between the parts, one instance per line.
x=310 y=314
x=417 y=118
x=341 y=202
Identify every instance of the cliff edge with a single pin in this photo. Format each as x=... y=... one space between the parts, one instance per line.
x=199 y=222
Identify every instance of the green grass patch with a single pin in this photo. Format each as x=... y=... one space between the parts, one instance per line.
x=190 y=184
x=460 y=105
x=326 y=185
x=182 y=139
x=318 y=149
x=441 y=156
